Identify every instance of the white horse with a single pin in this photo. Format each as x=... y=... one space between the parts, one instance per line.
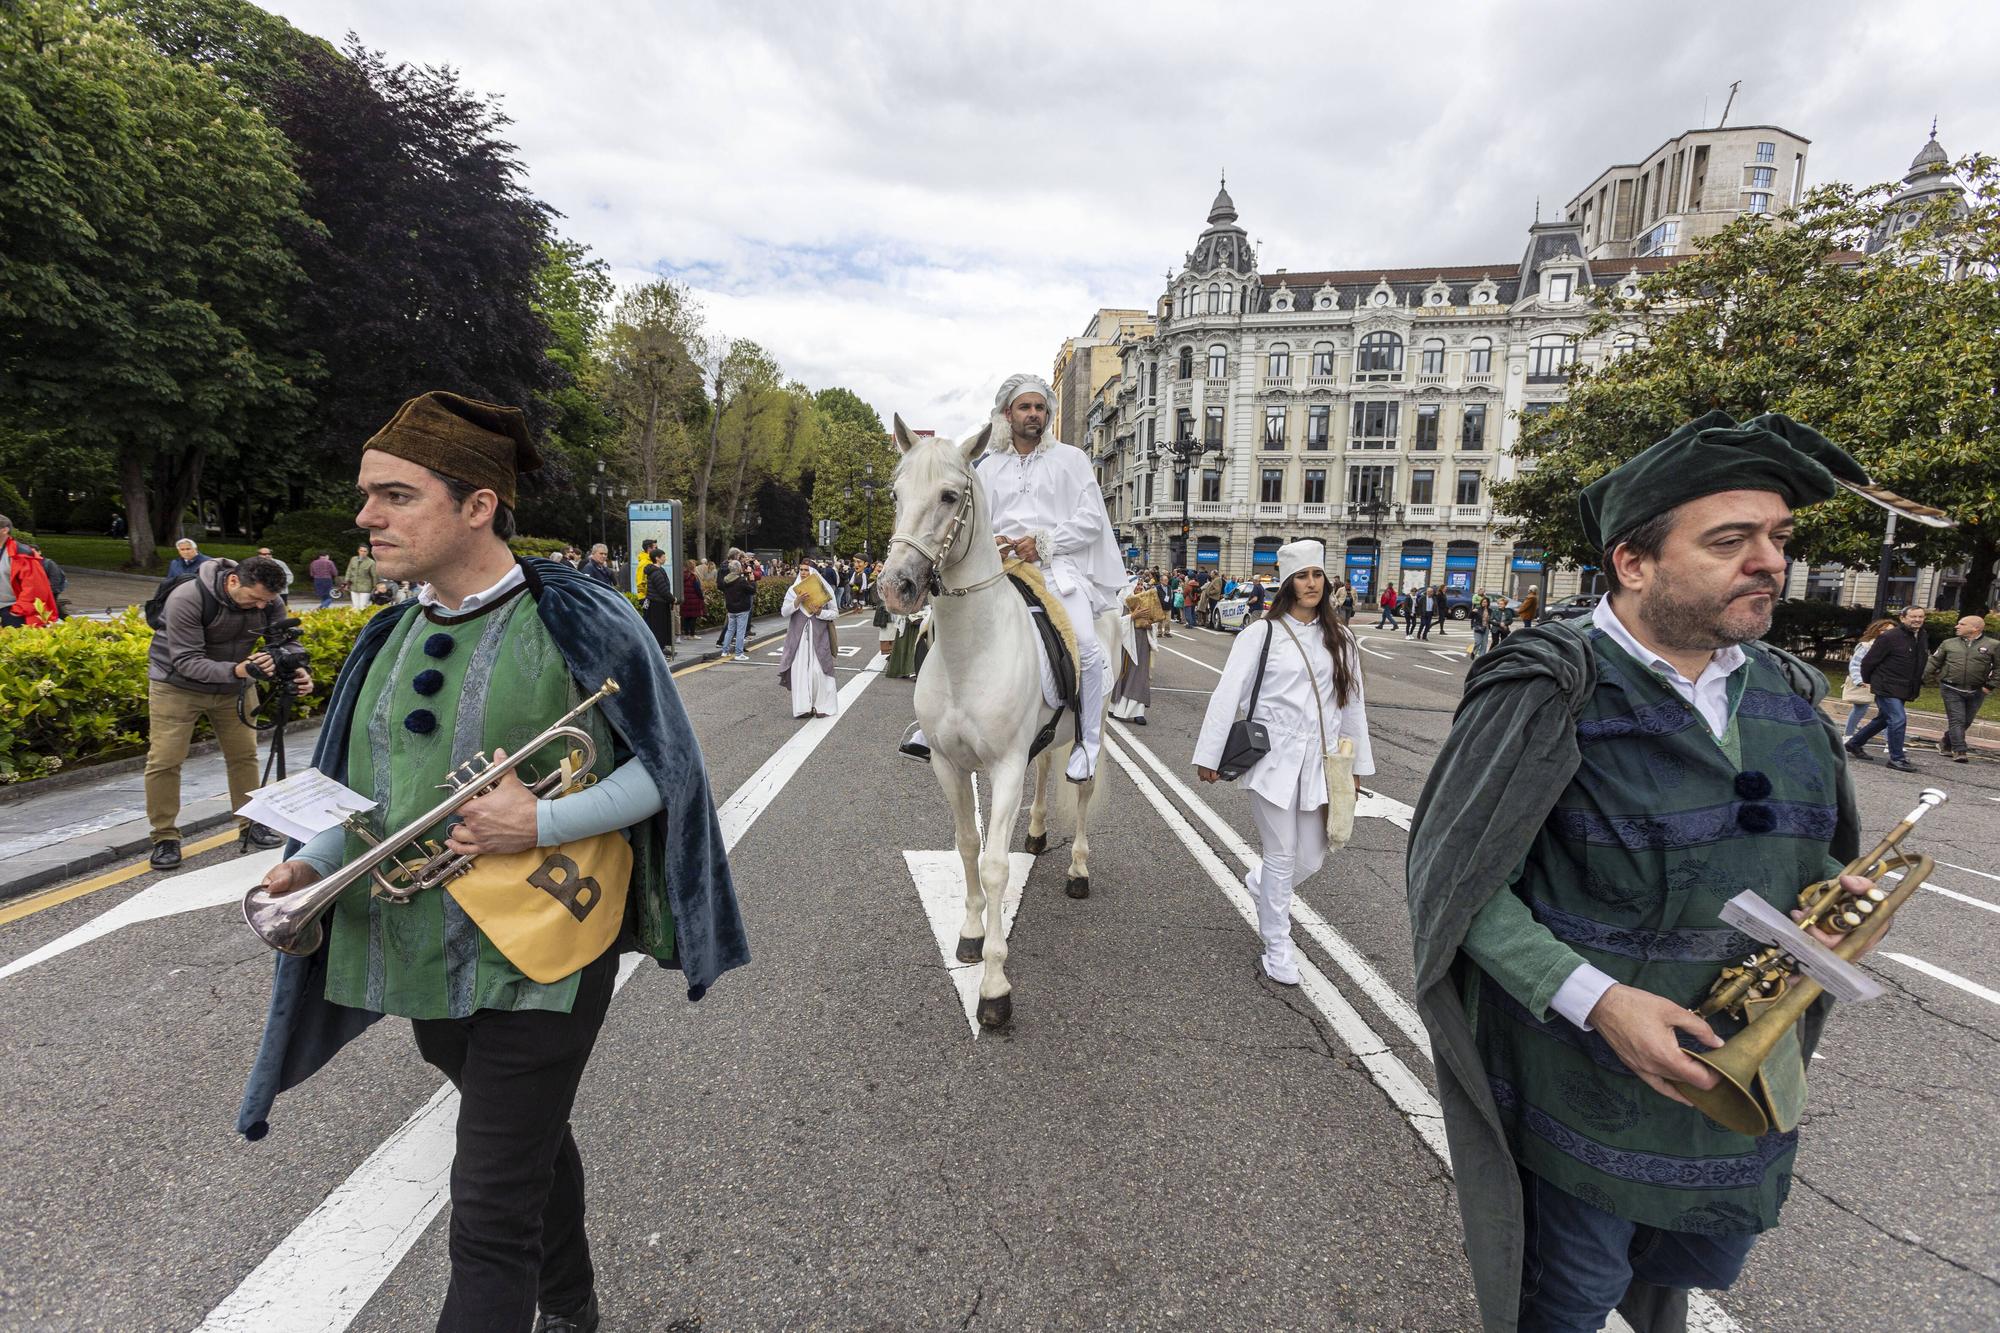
x=979 y=696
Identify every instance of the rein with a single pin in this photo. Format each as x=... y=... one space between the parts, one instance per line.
x=944 y=556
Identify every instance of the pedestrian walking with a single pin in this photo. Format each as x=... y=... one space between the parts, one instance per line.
x=361 y=577
x=1555 y=952
x=505 y=975
x=1426 y=600
x=1298 y=673
x=1531 y=607
x=1408 y=603
x=806 y=665
x=324 y=574
x=1854 y=691
x=1481 y=620
x=1133 y=694
x=1502 y=619
x=739 y=594
x=27 y=592
x=1894 y=669
x=1964 y=668
x=694 y=602
x=1346 y=604
x=1440 y=609
x=599 y=567
x=187 y=559
x=1388 y=604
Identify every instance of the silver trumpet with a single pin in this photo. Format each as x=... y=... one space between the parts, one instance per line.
x=290 y=922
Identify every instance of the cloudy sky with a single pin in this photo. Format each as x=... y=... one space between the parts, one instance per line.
x=915 y=199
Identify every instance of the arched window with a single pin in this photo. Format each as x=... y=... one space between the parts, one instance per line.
x=1480 y=358
x=1187 y=363
x=1433 y=356
x=1380 y=356
x=1215 y=298
x=1218 y=361
x=1322 y=363
x=1550 y=357
x=1624 y=343
x=1279 y=366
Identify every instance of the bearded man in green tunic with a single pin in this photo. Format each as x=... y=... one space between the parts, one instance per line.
x=1606 y=787
x=506 y=973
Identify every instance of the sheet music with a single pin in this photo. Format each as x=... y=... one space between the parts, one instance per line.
x=304 y=805
x=1761 y=921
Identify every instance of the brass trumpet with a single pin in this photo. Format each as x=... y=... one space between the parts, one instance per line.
x=1770 y=991
x=290 y=922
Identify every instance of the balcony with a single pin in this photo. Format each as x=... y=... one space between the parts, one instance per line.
x=1215 y=383
x=1209 y=509
x=1269 y=385
x=1479 y=377
x=1422 y=513
x=1321 y=512
x=1328 y=382
x=1271 y=511
x=1430 y=377
x=1469 y=513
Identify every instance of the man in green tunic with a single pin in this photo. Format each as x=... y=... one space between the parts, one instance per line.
x=1606 y=787
x=494 y=651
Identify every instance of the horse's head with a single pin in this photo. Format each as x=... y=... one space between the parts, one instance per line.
x=935 y=519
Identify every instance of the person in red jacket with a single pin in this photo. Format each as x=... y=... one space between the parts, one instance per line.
x=26 y=599
x=693 y=603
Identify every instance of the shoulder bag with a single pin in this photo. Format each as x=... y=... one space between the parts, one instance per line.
x=1339 y=766
x=1248 y=740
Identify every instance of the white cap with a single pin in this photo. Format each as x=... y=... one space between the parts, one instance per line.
x=1295 y=556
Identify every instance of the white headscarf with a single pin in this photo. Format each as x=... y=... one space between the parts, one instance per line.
x=1016 y=385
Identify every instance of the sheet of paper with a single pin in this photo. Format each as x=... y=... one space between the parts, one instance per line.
x=1761 y=921
x=304 y=805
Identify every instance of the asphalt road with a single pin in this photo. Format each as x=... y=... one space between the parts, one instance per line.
x=1162 y=1140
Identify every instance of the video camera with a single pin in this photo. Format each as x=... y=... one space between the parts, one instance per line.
x=286 y=647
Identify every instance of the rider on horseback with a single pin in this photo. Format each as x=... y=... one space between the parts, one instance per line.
x=1047 y=509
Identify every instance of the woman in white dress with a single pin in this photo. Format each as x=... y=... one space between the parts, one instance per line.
x=1310 y=651
x=806 y=665
x=1133 y=693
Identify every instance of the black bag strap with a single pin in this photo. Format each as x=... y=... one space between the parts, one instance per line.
x=1263 y=656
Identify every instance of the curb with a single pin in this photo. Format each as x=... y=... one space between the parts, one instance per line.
x=64 y=778
x=99 y=857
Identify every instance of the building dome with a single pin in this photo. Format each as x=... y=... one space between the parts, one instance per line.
x=1223 y=209
x=1930 y=158
x=1928 y=180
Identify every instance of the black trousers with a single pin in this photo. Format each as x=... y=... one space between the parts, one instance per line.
x=516 y=1181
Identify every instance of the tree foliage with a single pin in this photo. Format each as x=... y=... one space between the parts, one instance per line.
x=855 y=459
x=1894 y=358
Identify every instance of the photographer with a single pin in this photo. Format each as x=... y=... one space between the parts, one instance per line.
x=199 y=662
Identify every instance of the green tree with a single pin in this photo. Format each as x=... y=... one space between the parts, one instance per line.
x=853 y=459
x=649 y=355
x=572 y=291
x=839 y=404
x=145 y=280
x=1894 y=358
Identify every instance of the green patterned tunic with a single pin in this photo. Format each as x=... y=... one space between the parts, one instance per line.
x=1662 y=824
x=439 y=692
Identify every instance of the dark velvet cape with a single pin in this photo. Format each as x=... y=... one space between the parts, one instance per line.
x=599 y=635
x=1511 y=752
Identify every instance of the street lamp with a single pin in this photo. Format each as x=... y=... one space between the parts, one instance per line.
x=868 y=527
x=1186 y=449
x=1377 y=510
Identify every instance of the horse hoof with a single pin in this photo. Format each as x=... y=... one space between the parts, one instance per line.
x=1077 y=886
x=997 y=1011
x=971 y=950
x=1037 y=843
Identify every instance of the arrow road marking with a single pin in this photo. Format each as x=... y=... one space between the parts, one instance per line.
x=940 y=879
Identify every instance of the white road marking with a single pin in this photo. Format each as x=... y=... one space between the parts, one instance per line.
x=940 y=879
x=1983 y=874
x=1185 y=658
x=1933 y=888
x=1932 y=970
x=1434 y=670
x=211 y=886
x=1404 y=1090
x=1344 y=954
x=322 y=1274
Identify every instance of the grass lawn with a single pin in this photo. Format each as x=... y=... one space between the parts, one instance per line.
x=1927 y=702
x=115 y=552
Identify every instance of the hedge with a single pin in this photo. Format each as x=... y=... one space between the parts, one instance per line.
x=76 y=691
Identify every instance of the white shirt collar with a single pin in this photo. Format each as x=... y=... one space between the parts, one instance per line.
x=1707 y=694
x=513 y=578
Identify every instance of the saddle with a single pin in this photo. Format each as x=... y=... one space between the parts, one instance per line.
x=1051 y=621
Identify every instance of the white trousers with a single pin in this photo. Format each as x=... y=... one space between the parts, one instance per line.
x=1294 y=847
x=1093 y=668
x=358 y=599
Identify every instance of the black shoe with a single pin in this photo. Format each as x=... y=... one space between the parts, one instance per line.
x=915 y=750
x=166 y=854
x=1137 y=722
x=1961 y=758
x=583 y=1321
x=1859 y=752
x=256 y=835
x=1901 y=765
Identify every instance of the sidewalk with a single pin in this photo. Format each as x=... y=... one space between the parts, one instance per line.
x=83 y=824
x=1982 y=737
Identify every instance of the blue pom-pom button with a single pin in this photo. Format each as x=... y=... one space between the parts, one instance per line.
x=439 y=645
x=422 y=721
x=1756 y=819
x=428 y=682
x=1752 y=785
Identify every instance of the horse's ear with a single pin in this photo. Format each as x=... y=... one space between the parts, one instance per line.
x=977 y=445
x=904 y=440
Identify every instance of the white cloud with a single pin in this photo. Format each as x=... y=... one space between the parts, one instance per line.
x=915 y=199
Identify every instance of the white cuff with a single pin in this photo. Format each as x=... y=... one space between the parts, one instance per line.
x=1580 y=993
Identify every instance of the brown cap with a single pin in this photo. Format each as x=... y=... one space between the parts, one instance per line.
x=483 y=444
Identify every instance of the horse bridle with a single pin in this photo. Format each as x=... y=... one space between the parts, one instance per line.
x=944 y=555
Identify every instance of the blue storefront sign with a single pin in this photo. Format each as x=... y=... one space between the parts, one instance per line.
x=1528 y=564
x=1416 y=568
x=1459 y=571
x=1207 y=551
x=1360 y=573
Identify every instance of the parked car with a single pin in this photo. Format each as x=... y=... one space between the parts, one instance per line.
x=1570 y=608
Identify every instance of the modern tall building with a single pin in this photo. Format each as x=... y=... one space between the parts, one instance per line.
x=1086 y=362
x=1691 y=186
x=1371 y=409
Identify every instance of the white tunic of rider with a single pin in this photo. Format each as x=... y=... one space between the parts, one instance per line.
x=1051 y=494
